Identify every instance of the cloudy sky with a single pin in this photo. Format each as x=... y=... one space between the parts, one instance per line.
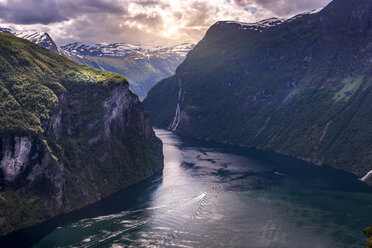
x=147 y=22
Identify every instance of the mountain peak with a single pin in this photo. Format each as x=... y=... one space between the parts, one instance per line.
x=5 y=30
x=40 y=38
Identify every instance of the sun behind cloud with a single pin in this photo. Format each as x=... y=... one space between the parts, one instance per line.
x=148 y=22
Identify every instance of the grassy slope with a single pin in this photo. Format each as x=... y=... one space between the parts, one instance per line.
x=31 y=77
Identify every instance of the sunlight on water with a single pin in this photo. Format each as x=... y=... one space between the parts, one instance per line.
x=216 y=196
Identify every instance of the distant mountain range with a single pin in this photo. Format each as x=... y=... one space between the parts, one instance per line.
x=300 y=87
x=142 y=65
x=124 y=49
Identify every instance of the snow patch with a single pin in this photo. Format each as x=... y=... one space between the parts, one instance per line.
x=312 y=12
x=124 y=49
x=271 y=22
x=264 y=24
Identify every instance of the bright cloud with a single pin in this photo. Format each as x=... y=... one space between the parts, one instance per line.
x=155 y=22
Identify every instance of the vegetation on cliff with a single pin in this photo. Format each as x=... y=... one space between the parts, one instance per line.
x=31 y=77
x=69 y=135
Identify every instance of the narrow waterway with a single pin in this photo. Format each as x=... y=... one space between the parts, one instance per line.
x=212 y=195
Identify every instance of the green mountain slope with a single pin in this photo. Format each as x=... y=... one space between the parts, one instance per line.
x=69 y=135
x=301 y=87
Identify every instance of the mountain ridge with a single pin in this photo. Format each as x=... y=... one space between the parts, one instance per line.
x=122 y=49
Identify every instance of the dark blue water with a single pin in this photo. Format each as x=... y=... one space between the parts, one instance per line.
x=212 y=195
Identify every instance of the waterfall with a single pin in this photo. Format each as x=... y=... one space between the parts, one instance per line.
x=366 y=176
x=177 y=116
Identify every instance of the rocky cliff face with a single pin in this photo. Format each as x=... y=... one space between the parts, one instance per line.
x=300 y=87
x=70 y=135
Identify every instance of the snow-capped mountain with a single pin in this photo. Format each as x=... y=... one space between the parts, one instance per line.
x=124 y=49
x=78 y=49
x=268 y=23
x=5 y=30
x=144 y=66
x=264 y=24
x=40 y=38
x=181 y=50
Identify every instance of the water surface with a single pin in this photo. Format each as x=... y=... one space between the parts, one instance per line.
x=212 y=195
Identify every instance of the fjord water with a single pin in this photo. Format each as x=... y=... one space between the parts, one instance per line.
x=212 y=195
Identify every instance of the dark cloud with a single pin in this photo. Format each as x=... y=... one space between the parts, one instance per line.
x=148 y=2
x=52 y=11
x=31 y=12
x=73 y=8
x=152 y=3
x=152 y=20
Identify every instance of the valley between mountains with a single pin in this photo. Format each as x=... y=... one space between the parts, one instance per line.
x=244 y=114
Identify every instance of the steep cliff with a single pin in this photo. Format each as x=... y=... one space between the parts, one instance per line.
x=301 y=87
x=69 y=135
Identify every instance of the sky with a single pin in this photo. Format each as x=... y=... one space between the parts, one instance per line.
x=140 y=22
